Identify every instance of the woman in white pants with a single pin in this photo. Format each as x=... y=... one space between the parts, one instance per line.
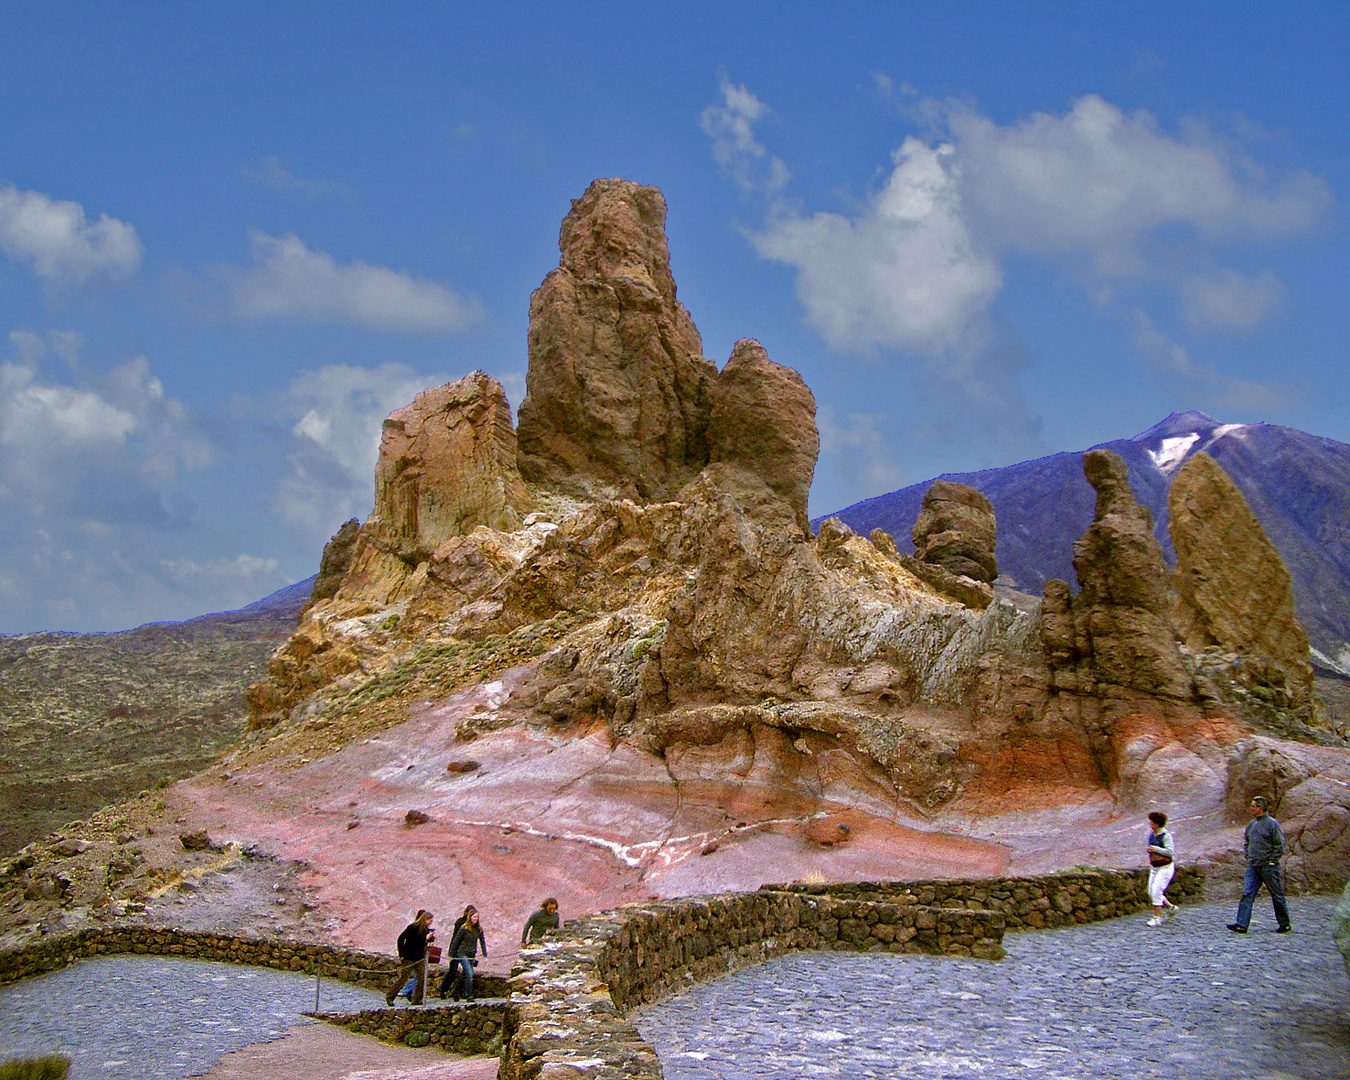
x=1161 y=867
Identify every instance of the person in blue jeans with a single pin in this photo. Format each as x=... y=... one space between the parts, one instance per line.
x=1264 y=848
x=463 y=955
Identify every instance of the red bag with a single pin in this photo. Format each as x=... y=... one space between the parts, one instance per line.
x=433 y=954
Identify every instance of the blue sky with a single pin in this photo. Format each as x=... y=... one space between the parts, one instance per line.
x=234 y=237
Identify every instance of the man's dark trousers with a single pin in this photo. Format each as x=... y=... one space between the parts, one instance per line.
x=1269 y=876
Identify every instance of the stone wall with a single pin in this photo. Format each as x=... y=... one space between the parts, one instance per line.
x=464 y=1029
x=373 y=970
x=1062 y=899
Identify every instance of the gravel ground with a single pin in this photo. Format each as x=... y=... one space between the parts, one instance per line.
x=1109 y=1000
x=138 y=1017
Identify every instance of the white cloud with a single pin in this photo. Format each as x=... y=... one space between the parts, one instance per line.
x=289 y=280
x=1226 y=300
x=734 y=146
x=271 y=173
x=334 y=417
x=1098 y=182
x=904 y=274
x=55 y=240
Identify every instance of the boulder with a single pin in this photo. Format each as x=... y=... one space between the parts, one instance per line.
x=764 y=421
x=447 y=465
x=1233 y=590
x=956 y=531
x=618 y=393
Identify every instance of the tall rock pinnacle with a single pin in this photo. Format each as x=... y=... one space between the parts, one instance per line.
x=618 y=394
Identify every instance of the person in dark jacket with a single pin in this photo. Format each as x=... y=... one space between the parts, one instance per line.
x=463 y=955
x=541 y=922
x=1263 y=845
x=412 y=954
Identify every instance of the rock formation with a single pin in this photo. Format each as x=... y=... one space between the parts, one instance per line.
x=336 y=559
x=617 y=395
x=764 y=420
x=647 y=575
x=447 y=465
x=1233 y=590
x=956 y=530
x=1118 y=630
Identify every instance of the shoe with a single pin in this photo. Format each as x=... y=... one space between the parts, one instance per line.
x=1283 y=929
x=1237 y=928
x=1155 y=921
x=1172 y=910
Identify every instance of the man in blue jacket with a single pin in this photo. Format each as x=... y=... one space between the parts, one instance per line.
x=1264 y=847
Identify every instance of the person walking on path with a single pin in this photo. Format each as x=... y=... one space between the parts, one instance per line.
x=1161 y=867
x=412 y=954
x=541 y=922
x=463 y=954
x=1264 y=848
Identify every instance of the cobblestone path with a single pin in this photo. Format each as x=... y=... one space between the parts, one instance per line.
x=141 y=1017
x=1186 y=1001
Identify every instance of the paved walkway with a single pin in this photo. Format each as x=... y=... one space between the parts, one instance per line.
x=137 y=1017
x=1109 y=1000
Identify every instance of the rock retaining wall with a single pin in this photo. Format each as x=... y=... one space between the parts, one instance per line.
x=463 y=1029
x=353 y=966
x=1062 y=899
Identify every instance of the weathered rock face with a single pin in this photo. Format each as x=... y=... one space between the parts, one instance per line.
x=1118 y=630
x=337 y=558
x=617 y=395
x=764 y=421
x=1233 y=589
x=956 y=530
x=447 y=465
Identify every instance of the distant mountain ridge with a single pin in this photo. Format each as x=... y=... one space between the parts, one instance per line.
x=1297 y=484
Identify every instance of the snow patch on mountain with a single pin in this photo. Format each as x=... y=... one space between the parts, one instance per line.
x=1172 y=452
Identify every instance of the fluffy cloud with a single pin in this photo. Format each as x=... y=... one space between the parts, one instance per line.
x=734 y=146
x=55 y=240
x=1097 y=182
x=919 y=265
x=903 y=274
x=1113 y=197
x=98 y=451
x=289 y=280
x=334 y=417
